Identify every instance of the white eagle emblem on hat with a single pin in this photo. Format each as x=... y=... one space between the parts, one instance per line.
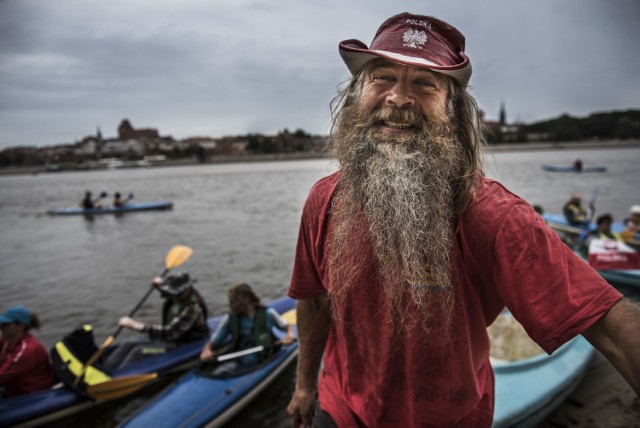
x=414 y=38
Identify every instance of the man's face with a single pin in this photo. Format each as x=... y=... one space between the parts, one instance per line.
x=401 y=86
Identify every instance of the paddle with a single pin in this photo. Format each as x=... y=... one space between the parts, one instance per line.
x=591 y=211
x=175 y=257
x=125 y=385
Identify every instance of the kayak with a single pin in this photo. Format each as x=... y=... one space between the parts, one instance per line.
x=43 y=407
x=559 y=223
x=527 y=391
x=130 y=207
x=529 y=384
x=569 y=168
x=200 y=399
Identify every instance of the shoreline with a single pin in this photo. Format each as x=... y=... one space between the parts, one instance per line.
x=534 y=146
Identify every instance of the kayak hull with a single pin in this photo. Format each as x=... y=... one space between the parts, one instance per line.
x=40 y=408
x=568 y=168
x=130 y=207
x=197 y=400
x=527 y=391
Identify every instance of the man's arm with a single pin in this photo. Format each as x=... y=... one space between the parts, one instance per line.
x=617 y=336
x=313 y=319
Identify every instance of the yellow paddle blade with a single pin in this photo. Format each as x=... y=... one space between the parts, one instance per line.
x=120 y=387
x=290 y=316
x=177 y=255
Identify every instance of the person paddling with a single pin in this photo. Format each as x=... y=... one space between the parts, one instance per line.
x=88 y=202
x=24 y=362
x=249 y=324
x=184 y=320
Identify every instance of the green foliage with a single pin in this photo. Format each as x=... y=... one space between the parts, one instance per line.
x=603 y=126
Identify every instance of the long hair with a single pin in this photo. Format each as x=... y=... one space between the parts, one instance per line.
x=244 y=290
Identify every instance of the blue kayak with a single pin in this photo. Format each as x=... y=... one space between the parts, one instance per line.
x=528 y=390
x=198 y=399
x=40 y=408
x=127 y=208
x=559 y=221
x=569 y=168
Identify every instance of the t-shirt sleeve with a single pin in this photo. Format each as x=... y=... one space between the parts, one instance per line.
x=306 y=280
x=552 y=292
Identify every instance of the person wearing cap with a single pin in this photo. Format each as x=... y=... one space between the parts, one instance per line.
x=406 y=254
x=184 y=320
x=24 y=362
x=248 y=324
x=632 y=225
x=573 y=210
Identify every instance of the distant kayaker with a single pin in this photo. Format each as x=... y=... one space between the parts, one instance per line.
x=24 y=362
x=408 y=253
x=184 y=320
x=249 y=324
x=577 y=165
x=88 y=202
x=118 y=201
x=573 y=210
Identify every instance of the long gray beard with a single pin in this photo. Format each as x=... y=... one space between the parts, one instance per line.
x=396 y=197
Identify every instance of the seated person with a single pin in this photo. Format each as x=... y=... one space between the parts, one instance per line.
x=577 y=165
x=24 y=362
x=603 y=230
x=574 y=212
x=184 y=320
x=249 y=324
x=631 y=224
x=88 y=202
x=118 y=201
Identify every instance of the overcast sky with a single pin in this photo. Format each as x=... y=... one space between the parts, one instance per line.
x=213 y=67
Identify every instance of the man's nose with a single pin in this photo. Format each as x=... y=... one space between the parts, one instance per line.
x=401 y=95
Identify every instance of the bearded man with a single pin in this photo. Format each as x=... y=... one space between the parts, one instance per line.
x=406 y=254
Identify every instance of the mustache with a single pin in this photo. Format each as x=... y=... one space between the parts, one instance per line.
x=405 y=115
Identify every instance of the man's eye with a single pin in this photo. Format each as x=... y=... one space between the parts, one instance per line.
x=425 y=83
x=382 y=77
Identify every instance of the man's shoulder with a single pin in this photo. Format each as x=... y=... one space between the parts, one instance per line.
x=324 y=187
x=491 y=195
x=320 y=194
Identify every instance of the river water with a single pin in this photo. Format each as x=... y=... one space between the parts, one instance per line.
x=241 y=219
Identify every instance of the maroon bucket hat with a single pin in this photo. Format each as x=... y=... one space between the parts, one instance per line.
x=421 y=41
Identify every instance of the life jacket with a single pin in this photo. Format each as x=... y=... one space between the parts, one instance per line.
x=69 y=356
x=262 y=335
x=614 y=235
x=171 y=309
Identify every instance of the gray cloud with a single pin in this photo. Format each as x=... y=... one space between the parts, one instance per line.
x=216 y=68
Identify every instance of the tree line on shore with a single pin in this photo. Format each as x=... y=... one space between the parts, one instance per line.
x=613 y=125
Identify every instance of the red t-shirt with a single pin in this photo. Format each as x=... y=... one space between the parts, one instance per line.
x=24 y=366
x=504 y=255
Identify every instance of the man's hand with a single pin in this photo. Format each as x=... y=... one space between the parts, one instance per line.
x=301 y=407
x=129 y=322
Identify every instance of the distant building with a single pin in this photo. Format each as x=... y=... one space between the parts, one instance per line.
x=128 y=132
